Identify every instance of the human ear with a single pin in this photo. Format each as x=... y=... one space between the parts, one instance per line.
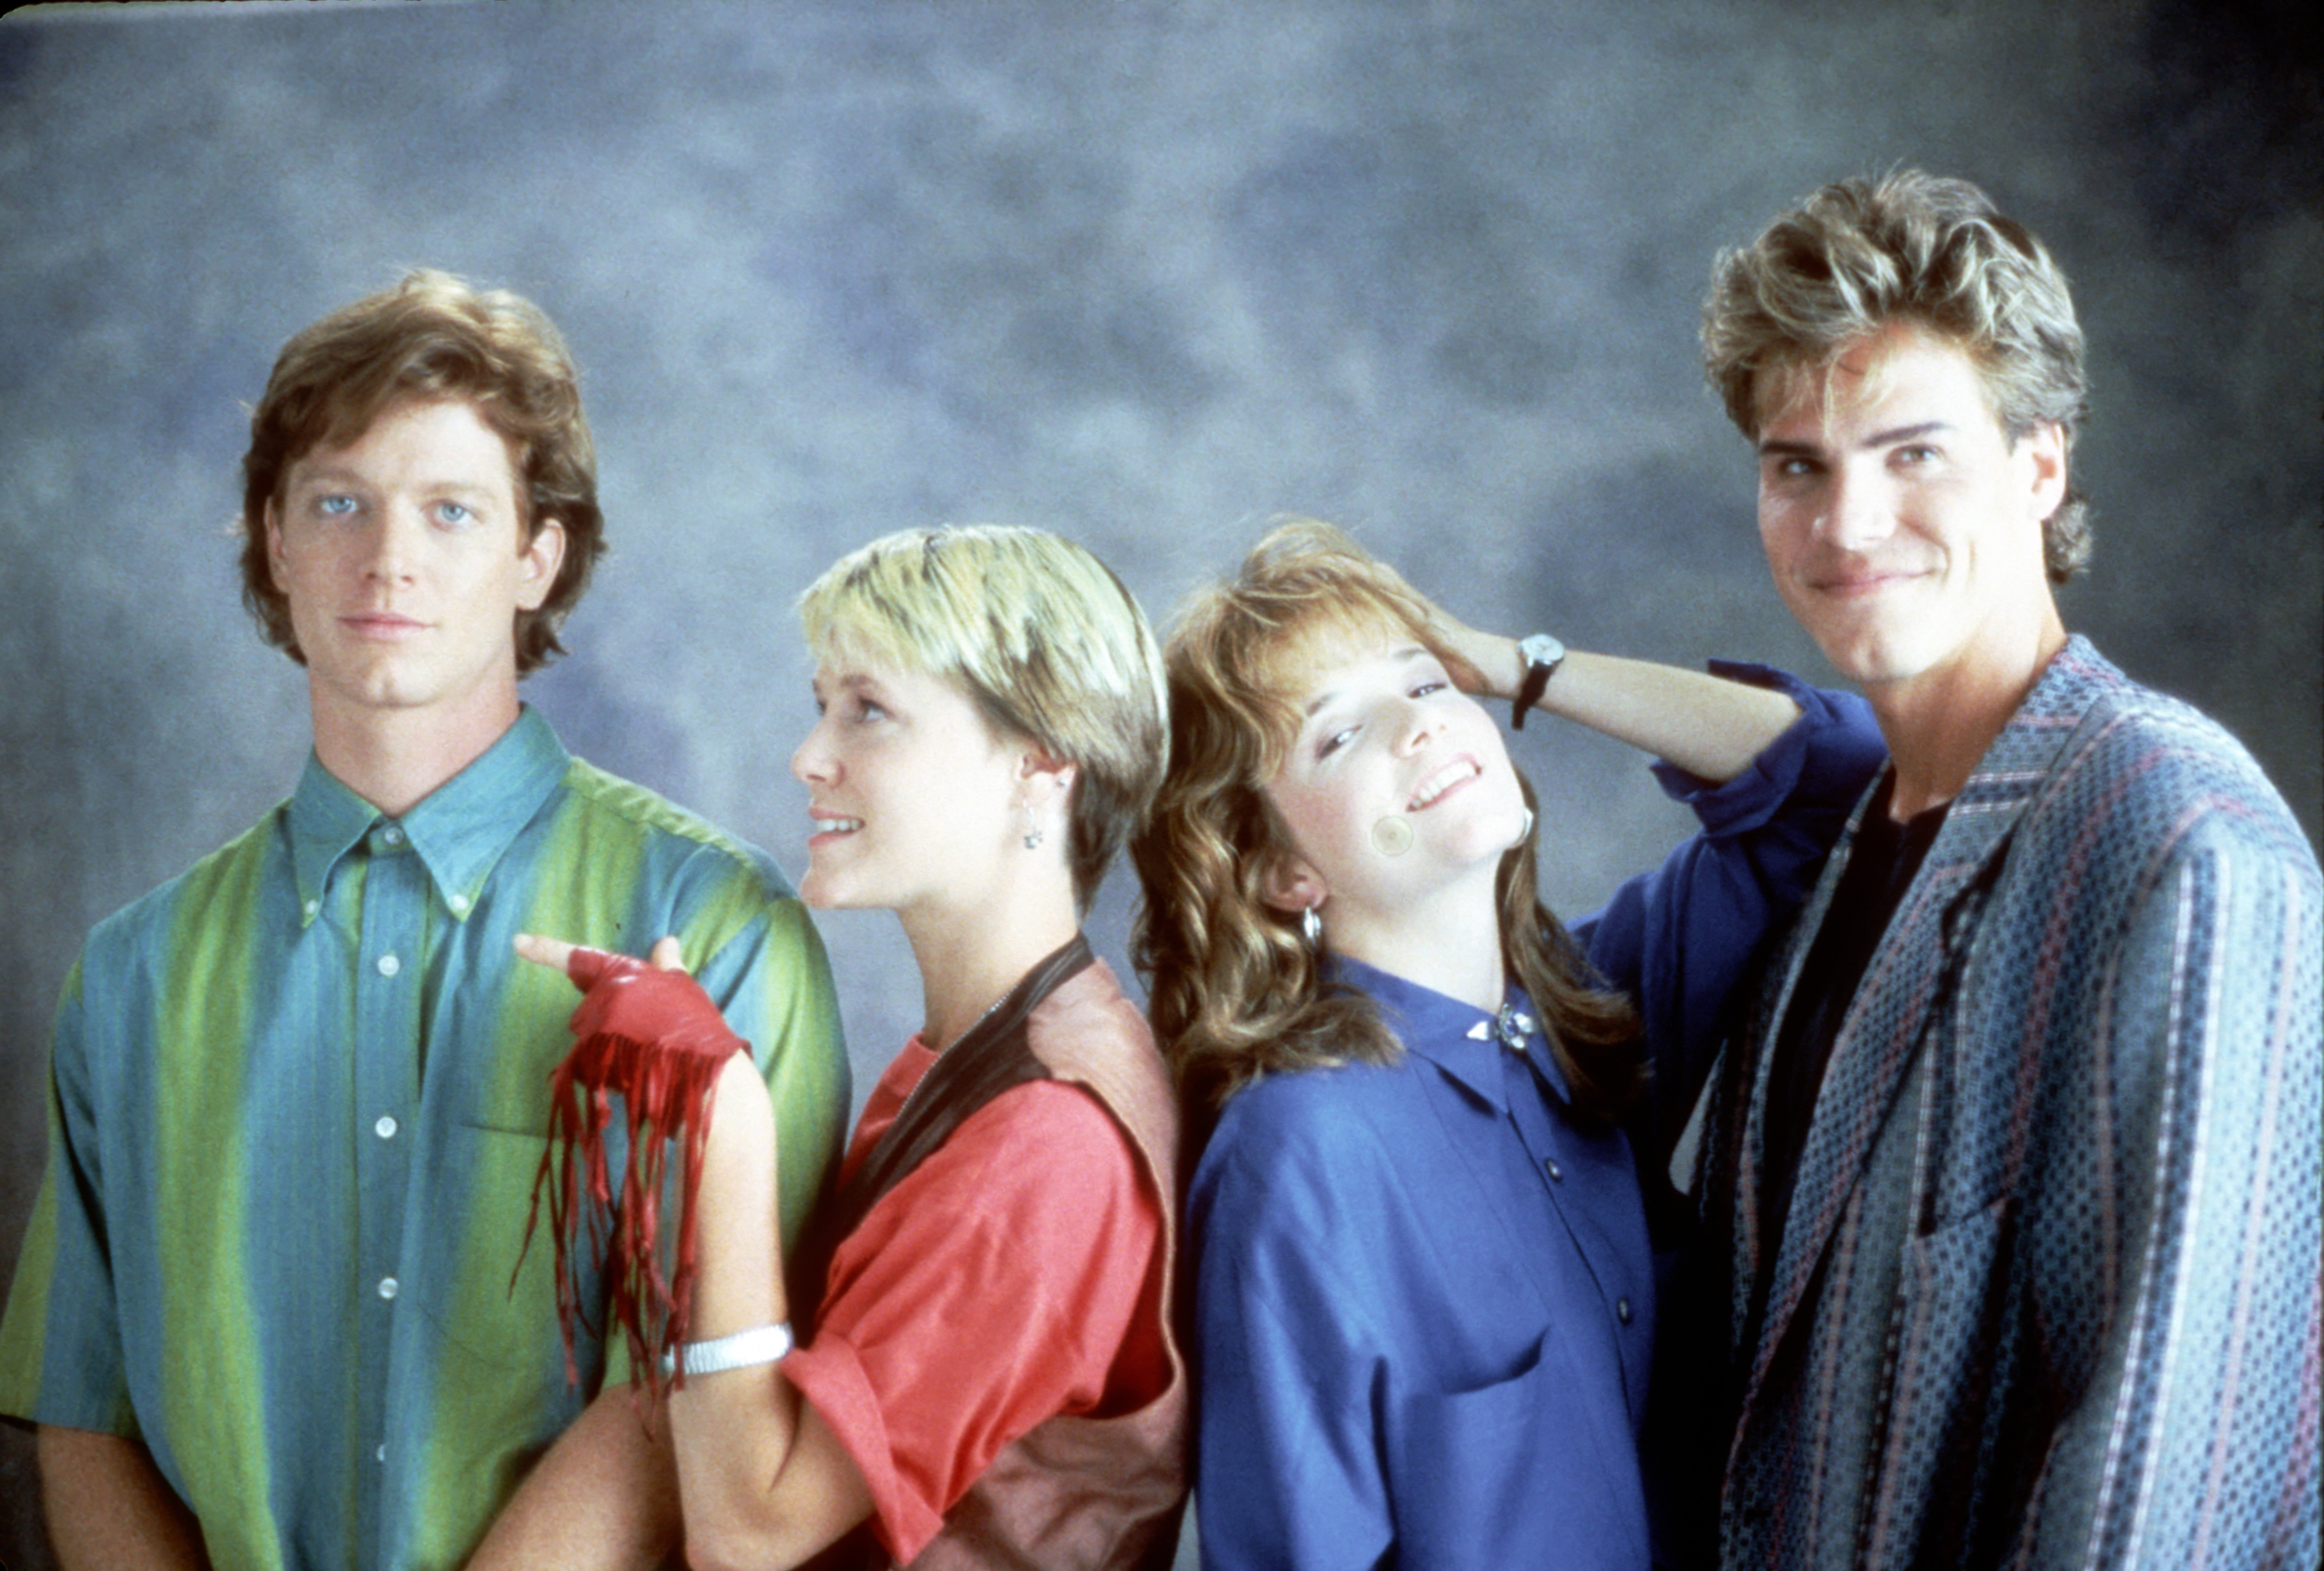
x=1291 y=886
x=2045 y=450
x=537 y=564
x=1042 y=778
x=276 y=571
x=1045 y=792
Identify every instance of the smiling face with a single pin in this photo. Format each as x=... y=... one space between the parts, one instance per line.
x=1902 y=525
x=915 y=801
x=403 y=559
x=1386 y=739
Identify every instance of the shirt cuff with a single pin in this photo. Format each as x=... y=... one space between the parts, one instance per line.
x=1834 y=739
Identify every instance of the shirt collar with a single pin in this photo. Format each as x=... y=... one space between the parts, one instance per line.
x=1456 y=1037
x=459 y=830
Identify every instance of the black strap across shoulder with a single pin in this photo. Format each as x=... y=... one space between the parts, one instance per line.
x=993 y=1056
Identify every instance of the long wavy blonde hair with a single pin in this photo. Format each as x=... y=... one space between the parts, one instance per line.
x=1236 y=994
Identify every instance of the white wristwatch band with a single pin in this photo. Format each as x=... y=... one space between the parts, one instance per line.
x=758 y=1345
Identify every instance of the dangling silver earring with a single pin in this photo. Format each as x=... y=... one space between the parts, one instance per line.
x=1311 y=928
x=1525 y=834
x=1033 y=840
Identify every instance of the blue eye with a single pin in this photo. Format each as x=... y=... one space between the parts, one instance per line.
x=335 y=506
x=453 y=513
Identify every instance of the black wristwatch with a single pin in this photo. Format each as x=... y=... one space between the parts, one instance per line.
x=1543 y=655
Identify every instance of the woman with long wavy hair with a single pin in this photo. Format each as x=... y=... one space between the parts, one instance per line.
x=1423 y=1288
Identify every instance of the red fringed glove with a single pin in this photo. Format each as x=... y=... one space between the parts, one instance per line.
x=655 y=1041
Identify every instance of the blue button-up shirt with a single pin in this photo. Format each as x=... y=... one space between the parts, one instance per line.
x=1424 y=1290
x=299 y=1099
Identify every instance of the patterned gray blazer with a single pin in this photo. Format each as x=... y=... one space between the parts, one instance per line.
x=2047 y=1292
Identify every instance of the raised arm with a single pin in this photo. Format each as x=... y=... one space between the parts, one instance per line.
x=1707 y=725
x=772 y=983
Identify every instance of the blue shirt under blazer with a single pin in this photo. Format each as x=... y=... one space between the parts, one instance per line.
x=1423 y=1293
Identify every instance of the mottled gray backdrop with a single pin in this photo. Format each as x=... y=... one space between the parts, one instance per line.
x=1145 y=274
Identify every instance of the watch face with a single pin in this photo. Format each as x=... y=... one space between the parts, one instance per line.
x=1540 y=649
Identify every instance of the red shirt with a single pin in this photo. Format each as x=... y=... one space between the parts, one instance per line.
x=997 y=1285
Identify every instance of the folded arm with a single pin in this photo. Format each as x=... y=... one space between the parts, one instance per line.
x=735 y=1464
x=734 y=1460
x=108 y=1506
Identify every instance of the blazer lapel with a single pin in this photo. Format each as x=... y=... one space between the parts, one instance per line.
x=1901 y=995
x=1751 y=1245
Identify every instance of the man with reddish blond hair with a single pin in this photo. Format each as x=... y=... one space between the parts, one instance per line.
x=266 y=1315
x=2009 y=1183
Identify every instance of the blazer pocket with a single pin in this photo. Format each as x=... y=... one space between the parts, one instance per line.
x=1475 y=1476
x=1947 y=1270
x=1953 y=1306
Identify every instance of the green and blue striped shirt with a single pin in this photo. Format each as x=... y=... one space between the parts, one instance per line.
x=298 y=1100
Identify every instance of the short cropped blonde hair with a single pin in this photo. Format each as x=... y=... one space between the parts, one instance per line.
x=1048 y=644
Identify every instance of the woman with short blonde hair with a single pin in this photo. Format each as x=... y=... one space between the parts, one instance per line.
x=985 y=1370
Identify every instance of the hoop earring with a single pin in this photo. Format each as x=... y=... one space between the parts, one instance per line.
x=1525 y=833
x=1311 y=928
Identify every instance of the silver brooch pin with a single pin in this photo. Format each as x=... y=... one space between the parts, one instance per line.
x=1511 y=1026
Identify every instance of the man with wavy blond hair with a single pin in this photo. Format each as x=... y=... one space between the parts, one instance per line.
x=266 y=1315
x=2009 y=1182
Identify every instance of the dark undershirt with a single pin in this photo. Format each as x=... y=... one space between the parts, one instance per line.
x=1881 y=865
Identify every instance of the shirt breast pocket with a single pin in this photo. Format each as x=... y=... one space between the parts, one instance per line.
x=1478 y=1476
x=498 y=1306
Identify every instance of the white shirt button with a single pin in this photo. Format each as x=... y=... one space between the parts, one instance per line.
x=1622 y=1310
x=1556 y=1173
x=389 y=965
x=387 y=1287
x=381 y=1452
x=459 y=904
x=312 y=907
x=392 y=834
x=384 y=1128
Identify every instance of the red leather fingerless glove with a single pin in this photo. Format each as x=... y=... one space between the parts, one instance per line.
x=654 y=1039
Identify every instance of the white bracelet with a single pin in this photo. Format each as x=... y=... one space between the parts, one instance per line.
x=741 y=1350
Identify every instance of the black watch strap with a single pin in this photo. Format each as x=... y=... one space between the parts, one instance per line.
x=1543 y=655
